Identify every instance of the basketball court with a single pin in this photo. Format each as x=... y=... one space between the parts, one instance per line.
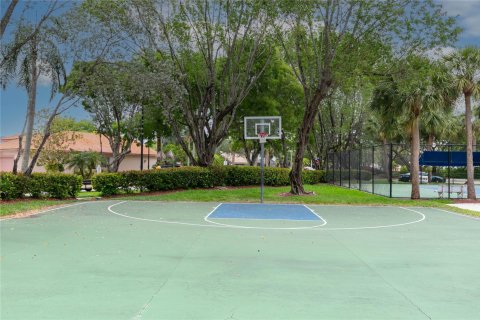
x=186 y=260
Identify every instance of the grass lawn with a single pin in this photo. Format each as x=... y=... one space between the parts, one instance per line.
x=324 y=194
x=89 y=194
x=28 y=205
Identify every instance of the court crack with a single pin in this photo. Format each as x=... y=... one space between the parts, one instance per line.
x=381 y=277
x=140 y=313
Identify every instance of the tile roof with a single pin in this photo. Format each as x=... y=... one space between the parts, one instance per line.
x=85 y=142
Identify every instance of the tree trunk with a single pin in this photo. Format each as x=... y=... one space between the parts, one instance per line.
x=31 y=166
x=470 y=170
x=159 y=148
x=415 y=155
x=32 y=97
x=386 y=158
x=19 y=153
x=311 y=110
x=206 y=155
x=284 y=151
x=6 y=17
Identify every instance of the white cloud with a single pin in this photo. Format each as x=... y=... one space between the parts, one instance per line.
x=468 y=12
x=439 y=52
x=44 y=80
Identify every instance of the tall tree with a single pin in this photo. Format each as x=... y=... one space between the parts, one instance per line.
x=465 y=67
x=275 y=93
x=77 y=35
x=422 y=85
x=114 y=95
x=215 y=45
x=39 y=57
x=327 y=40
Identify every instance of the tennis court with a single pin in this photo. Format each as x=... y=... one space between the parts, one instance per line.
x=172 y=260
x=404 y=190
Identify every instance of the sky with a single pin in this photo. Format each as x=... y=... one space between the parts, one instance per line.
x=13 y=100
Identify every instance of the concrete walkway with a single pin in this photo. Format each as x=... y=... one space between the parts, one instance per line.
x=468 y=206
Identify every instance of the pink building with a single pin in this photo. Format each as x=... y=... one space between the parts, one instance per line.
x=86 y=142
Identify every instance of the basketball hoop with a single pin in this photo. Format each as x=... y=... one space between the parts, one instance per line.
x=262 y=136
x=262 y=128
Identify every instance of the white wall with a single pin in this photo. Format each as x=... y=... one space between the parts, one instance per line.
x=132 y=162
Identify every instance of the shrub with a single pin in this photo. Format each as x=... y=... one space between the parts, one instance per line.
x=195 y=177
x=58 y=185
x=313 y=177
x=13 y=186
x=55 y=185
x=107 y=183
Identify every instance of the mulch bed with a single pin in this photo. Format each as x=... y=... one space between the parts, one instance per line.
x=288 y=194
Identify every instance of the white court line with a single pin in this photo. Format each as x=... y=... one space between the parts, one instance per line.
x=206 y=217
x=260 y=228
x=152 y=220
x=221 y=225
x=383 y=226
x=40 y=212
x=325 y=222
x=316 y=214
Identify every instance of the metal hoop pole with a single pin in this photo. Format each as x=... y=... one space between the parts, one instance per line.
x=262 y=165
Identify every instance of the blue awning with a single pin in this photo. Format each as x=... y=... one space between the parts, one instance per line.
x=440 y=158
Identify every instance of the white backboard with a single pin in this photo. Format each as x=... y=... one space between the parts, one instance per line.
x=271 y=125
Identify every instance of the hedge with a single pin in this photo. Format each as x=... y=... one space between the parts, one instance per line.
x=39 y=185
x=194 y=177
x=457 y=173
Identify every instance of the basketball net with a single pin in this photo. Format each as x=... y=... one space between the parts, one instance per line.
x=262 y=136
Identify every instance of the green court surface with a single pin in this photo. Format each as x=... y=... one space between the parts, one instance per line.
x=154 y=260
x=404 y=190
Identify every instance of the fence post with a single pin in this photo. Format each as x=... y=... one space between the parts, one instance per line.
x=360 y=168
x=327 y=164
x=373 y=169
x=390 y=164
x=448 y=171
x=333 y=167
x=340 y=167
x=349 y=169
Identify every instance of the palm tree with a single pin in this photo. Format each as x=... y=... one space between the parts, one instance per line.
x=419 y=87
x=465 y=67
x=39 y=56
x=436 y=118
x=85 y=162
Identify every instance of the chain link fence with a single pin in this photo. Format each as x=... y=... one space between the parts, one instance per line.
x=385 y=170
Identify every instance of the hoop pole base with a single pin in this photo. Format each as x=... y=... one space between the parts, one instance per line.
x=262 y=165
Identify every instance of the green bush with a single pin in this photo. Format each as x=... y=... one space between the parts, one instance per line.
x=313 y=176
x=108 y=183
x=13 y=186
x=457 y=173
x=57 y=185
x=194 y=177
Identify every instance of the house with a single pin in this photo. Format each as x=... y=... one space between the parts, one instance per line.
x=85 y=141
x=234 y=159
